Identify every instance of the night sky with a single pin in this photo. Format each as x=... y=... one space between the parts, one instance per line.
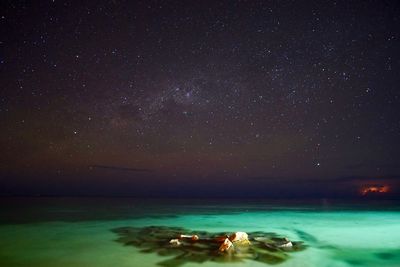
x=200 y=98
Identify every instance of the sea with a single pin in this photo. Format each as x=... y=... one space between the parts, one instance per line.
x=100 y=232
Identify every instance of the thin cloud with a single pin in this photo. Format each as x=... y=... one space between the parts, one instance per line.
x=117 y=168
x=366 y=165
x=343 y=179
x=368 y=178
x=265 y=178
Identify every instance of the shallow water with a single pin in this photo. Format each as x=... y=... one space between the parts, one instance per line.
x=78 y=231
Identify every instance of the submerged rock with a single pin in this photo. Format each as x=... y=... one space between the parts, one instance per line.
x=203 y=246
x=241 y=237
x=285 y=244
x=226 y=245
x=191 y=237
x=175 y=242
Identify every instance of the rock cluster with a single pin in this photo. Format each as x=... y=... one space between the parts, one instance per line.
x=204 y=246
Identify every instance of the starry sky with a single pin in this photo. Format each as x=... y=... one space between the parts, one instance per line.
x=199 y=98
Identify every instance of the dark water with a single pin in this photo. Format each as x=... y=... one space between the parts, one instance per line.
x=46 y=209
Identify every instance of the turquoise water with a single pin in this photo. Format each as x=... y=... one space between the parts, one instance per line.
x=78 y=232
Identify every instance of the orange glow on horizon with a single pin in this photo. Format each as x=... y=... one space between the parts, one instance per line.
x=374 y=189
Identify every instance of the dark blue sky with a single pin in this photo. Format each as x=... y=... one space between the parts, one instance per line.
x=207 y=98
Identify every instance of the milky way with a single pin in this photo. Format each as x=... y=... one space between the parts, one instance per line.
x=293 y=95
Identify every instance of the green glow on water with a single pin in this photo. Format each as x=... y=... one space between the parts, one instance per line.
x=335 y=237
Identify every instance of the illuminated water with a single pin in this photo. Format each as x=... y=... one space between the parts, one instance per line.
x=77 y=232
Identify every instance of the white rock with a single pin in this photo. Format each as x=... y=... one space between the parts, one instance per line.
x=192 y=237
x=239 y=236
x=288 y=244
x=175 y=242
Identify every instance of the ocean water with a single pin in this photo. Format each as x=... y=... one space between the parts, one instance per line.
x=81 y=231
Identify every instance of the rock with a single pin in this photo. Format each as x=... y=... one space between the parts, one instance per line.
x=226 y=245
x=220 y=239
x=240 y=237
x=191 y=237
x=284 y=243
x=175 y=242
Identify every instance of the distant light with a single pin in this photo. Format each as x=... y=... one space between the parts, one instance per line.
x=379 y=189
